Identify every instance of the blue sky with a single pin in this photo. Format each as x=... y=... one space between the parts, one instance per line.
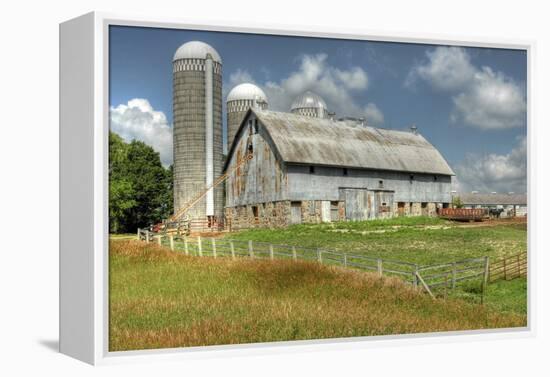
x=468 y=102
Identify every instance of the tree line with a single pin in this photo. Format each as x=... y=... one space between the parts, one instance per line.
x=140 y=188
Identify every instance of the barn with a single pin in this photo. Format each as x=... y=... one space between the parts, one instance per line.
x=309 y=169
x=511 y=204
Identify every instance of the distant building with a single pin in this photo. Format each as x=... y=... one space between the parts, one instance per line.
x=512 y=204
x=312 y=169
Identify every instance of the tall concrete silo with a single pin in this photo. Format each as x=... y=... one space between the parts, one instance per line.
x=198 y=145
x=239 y=100
x=309 y=104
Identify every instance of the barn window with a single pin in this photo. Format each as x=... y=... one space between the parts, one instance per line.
x=411 y=177
x=255 y=126
x=345 y=171
x=435 y=178
x=380 y=184
x=424 y=205
x=312 y=170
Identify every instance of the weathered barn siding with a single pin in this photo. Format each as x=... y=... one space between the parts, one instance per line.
x=325 y=182
x=262 y=179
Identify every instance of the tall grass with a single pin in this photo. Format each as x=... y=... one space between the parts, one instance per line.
x=163 y=299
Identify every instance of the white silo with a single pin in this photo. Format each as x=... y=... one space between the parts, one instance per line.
x=241 y=98
x=309 y=104
x=198 y=145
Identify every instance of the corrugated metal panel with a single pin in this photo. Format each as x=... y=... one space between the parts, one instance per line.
x=305 y=140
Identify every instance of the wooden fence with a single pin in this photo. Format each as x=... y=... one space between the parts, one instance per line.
x=435 y=279
x=509 y=268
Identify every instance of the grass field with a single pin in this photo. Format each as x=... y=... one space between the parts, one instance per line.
x=421 y=240
x=163 y=299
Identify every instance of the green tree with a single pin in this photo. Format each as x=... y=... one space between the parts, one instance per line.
x=140 y=187
x=457 y=203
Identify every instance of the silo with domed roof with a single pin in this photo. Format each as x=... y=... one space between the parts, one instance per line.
x=197 y=132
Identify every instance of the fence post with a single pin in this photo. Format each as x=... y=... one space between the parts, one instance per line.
x=345 y=260
x=504 y=268
x=185 y=247
x=294 y=255
x=250 y=249
x=415 y=277
x=199 y=243
x=214 y=247
x=159 y=240
x=147 y=236
x=138 y=238
x=519 y=268
x=271 y=256
x=232 y=249
x=319 y=257
x=486 y=273
x=453 y=276
x=379 y=267
x=171 y=242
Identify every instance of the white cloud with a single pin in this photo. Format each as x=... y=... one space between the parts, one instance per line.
x=137 y=120
x=481 y=97
x=495 y=172
x=373 y=115
x=338 y=87
x=447 y=68
x=492 y=101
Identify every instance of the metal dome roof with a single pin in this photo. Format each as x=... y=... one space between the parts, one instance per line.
x=246 y=91
x=196 y=50
x=308 y=100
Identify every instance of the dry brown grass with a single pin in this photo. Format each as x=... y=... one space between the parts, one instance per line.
x=160 y=299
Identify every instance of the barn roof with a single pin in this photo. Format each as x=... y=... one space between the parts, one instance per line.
x=492 y=199
x=316 y=141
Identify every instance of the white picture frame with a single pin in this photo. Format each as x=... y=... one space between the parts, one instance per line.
x=84 y=125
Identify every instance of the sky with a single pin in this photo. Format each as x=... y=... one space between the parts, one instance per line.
x=470 y=103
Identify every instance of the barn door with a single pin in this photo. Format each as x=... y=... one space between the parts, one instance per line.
x=295 y=213
x=357 y=204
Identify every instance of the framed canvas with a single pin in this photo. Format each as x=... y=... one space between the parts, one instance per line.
x=230 y=190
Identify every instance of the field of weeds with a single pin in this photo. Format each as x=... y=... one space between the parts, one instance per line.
x=161 y=299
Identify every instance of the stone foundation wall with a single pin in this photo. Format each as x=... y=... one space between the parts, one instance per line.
x=278 y=214
x=311 y=212
x=269 y=215
x=416 y=209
